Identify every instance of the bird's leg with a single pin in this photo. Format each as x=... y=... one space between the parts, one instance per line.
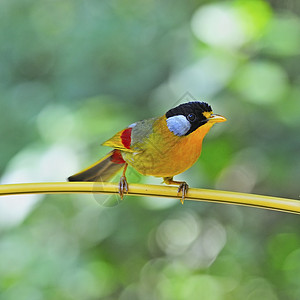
x=183 y=187
x=123 y=185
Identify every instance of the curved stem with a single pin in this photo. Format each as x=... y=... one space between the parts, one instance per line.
x=266 y=202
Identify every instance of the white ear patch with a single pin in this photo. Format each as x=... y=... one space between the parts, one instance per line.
x=179 y=125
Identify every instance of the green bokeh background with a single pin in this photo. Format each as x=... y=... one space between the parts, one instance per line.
x=72 y=73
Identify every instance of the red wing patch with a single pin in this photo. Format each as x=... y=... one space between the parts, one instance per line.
x=126 y=137
x=117 y=157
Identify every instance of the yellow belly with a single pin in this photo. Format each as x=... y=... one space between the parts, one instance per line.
x=164 y=154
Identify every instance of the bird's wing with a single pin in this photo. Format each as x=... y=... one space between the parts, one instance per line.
x=131 y=138
x=121 y=140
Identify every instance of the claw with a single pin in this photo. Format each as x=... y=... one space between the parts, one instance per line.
x=183 y=187
x=123 y=187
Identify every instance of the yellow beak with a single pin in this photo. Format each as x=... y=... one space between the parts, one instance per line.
x=216 y=118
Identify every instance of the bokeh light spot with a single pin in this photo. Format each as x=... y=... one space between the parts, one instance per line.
x=261 y=82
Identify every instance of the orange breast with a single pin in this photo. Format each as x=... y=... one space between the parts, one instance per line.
x=165 y=154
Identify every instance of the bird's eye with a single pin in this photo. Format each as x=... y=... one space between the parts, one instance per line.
x=191 y=117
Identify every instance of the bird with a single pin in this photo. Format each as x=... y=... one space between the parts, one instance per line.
x=164 y=146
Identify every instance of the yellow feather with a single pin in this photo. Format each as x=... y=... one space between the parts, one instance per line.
x=116 y=142
x=165 y=154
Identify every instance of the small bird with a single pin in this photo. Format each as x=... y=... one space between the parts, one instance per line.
x=161 y=147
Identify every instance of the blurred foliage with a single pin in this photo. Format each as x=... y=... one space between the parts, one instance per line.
x=72 y=73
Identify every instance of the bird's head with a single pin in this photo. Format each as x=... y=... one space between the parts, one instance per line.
x=186 y=118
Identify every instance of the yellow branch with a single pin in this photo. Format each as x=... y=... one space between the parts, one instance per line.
x=274 y=203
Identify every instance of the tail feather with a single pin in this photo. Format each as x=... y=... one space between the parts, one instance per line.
x=103 y=170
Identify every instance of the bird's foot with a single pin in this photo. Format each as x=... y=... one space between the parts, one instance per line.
x=183 y=188
x=123 y=187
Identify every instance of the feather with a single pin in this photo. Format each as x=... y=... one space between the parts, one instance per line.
x=103 y=170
